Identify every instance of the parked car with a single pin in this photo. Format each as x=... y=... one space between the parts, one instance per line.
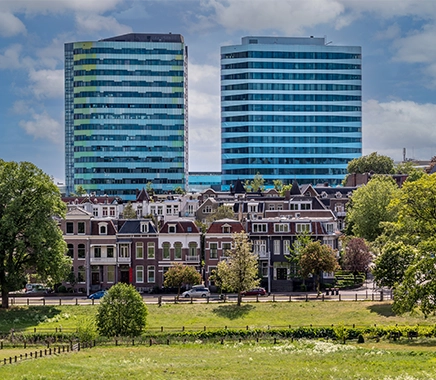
x=97 y=295
x=254 y=292
x=197 y=291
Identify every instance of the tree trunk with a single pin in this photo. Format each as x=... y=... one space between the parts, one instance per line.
x=239 y=298
x=5 y=298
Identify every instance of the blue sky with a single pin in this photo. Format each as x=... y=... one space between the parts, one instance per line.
x=397 y=39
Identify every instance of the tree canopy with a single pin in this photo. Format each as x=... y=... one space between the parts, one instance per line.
x=222 y=212
x=129 y=212
x=179 y=275
x=378 y=164
x=370 y=206
x=316 y=258
x=256 y=184
x=240 y=272
x=122 y=312
x=30 y=239
x=357 y=256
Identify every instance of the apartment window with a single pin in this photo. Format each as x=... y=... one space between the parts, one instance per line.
x=329 y=242
x=110 y=252
x=169 y=210
x=95 y=211
x=70 y=252
x=226 y=248
x=70 y=228
x=207 y=209
x=144 y=228
x=81 y=228
x=150 y=250
x=166 y=251
x=271 y=207
x=276 y=247
x=139 y=251
x=329 y=228
x=281 y=227
x=151 y=273
x=97 y=252
x=279 y=207
x=213 y=250
x=226 y=229
x=177 y=251
x=81 y=251
x=305 y=206
x=192 y=249
x=139 y=273
x=175 y=209
x=259 y=247
x=172 y=229
x=160 y=210
x=259 y=227
x=286 y=247
x=264 y=269
x=81 y=274
x=303 y=227
x=105 y=211
x=124 y=251
x=252 y=208
x=112 y=211
x=102 y=228
x=110 y=273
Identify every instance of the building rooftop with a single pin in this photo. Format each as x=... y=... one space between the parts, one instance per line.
x=147 y=37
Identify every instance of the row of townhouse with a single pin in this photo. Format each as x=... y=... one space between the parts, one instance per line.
x=107 y=249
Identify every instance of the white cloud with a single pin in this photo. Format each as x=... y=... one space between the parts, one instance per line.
x=47 y=83
x=10 y=25
x=43 y=126
x=93 y=23
x=10 y=59
x=390 y=127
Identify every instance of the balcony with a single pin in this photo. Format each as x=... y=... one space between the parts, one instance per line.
x=103 y=260
x=123 y=260
x=193 y=258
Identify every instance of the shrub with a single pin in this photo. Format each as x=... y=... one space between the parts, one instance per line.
x=62 y=289
x=360 y=339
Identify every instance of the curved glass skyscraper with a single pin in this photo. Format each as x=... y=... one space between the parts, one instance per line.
x=291 y=108
x=126 y=114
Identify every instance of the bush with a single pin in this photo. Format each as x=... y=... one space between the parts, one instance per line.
x=121 y=312
x=360 y=339
x=62 y=289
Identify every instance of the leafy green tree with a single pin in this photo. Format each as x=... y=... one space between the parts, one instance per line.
x=122 y=312
x=409 y=169
x=30 y=239
x=278 y=185
x=357 y=256
x=149 y=188
x=369 y=206
x=222 y=212
x=378 y=164
x=80 y=190
x=255 y=185
x=316 y=258
x=418 y=288
x=129 y=212
x=179 y=190
x=179 y=275
x=241 y=270
x=392 y=263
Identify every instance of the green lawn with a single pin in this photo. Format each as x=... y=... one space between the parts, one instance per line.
x=175 y=316
x=287 y=360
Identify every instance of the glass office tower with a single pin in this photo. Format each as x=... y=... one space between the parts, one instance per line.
x=126 y=119
x=291 y=108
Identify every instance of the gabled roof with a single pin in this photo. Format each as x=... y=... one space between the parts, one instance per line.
x=111 y=229
x=217 y=225
x=142 y=196
x=295 y=188
x=238 y=188
x=133 y=226
x=78 y=211
x=183 y=226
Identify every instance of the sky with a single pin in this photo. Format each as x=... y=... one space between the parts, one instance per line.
x=398 y=64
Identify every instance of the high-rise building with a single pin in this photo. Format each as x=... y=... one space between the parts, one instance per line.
x=126 y=114
x=291 y=108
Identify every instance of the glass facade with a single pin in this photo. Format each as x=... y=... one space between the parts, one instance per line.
x=126 y=114
x=291 y=108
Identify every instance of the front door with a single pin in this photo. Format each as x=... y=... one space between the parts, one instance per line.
x=95 y=278
x=124 y=276
x=282 y=273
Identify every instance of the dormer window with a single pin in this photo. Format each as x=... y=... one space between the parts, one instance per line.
x=226 y=229
x=102 y=228
x=324 y=194
x=144 y=227
x=338 y=194
x=171 y=228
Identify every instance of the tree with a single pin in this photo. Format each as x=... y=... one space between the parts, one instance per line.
x=222 y=212
x=369 y=206
x=179 y=275
x=30 y=239
x=377 y=164
x=179 y=190
x=122 y=312
x=241 y=270
x=316 y=258
x=357 y=256
x=80 y=190
x=257 y=184
x=418 y=288
x=392 y=263
x=285 y=188
x=278 y=185
x=409 y=168
x=129 y=212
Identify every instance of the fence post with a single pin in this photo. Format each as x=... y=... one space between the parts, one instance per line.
x=274 y=298
x=77 y=300
x=322 y=298
x=204 y=328
x=372 y=296
x=161 y=329
x=355 y=297
x=159 y=300
x=1 y=345
x=339 y=297
x=381 y=295
x=307 y=297
x=27 y=302
x=43 y=302
x=289 y=298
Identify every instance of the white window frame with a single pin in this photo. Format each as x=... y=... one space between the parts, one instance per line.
x=139 y=250
x=260 y=227
x=303 y=227
x=151 y=250
x=151 y=270
x=140 y=274
x=281 y=227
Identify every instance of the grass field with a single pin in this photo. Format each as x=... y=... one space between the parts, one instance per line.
x=287 y=360
x=176 y=316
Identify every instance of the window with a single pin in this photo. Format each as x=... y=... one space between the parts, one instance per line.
x=213 y=250
x=305 y=206
x=169 y=210
x=226 y=229
x=226 y=247
x=97 y=252
x=110 y=252
x=139 y=273
x=104 y=211
x=70 y=228
x=276 y=247
x=70 y=252
x=264 y=269
x=286 y=247
x=259 y=247
x=150 y=273
x=111 y=273
x=303 y=227
x=271 y=207
x=81 y=228
x=166 y=251
x=112 y=211
x=177 y=251
x=207 y=209
x=124 y=251
x=81 y=251
x=279 y=207
x=259 y=227
x=252 y=208
x=171 y=228
x=144 y=228
x=102 y=227
x=281 y=227
x=95 y=211
x=329 y=242
x=150 y=250
x=192 y=249
x=139 y=251
x=175 y=209
x=160 y=210
x=329 y=228
x=81 y=274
